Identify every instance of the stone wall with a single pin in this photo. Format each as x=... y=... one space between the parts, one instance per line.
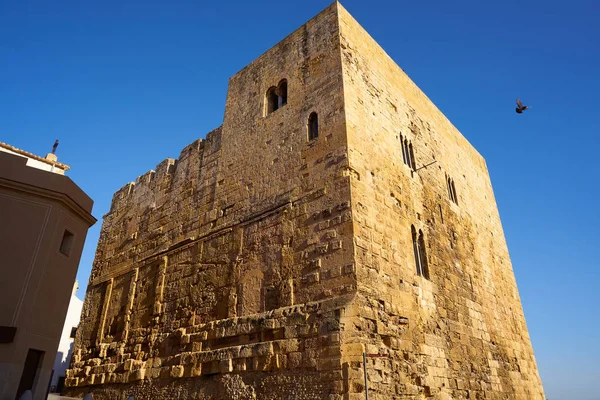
x=261 y=264
x=237 y=257
x=461 y=332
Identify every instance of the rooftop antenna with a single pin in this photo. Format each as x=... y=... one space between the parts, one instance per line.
x=55 y=146
x=426 y=165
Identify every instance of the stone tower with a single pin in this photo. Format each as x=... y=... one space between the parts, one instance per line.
x=301 y=233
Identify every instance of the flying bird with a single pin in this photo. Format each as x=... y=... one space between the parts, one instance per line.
x=520 y=107
x=55 y=146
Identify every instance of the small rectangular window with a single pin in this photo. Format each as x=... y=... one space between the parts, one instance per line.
x=313 y=126
x=73 y=332
x=66 y=243
x=420 y=252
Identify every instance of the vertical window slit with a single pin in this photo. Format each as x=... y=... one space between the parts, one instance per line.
x=313 y=126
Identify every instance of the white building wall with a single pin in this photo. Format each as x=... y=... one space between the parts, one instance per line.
x=65 y=346
x=35 y=163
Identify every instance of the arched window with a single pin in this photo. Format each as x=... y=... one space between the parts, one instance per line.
x=403 y=150
x=282 y=93
x=419 y=252
x=313 y=126
x=272 y=100
x=412 y=158
x=408 y=154
x=277 y=96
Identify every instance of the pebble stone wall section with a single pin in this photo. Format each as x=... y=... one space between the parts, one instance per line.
x=260 y=265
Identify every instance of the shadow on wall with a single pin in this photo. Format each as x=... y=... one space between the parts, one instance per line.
x=62 y=363
x=65 y=362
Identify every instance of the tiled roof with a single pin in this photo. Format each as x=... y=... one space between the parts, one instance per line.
x=7 y=146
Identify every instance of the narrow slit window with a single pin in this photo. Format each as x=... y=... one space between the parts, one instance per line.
x=408 y=154
x=455 y=199
x=451 y=189
x=412 y=164
x=403 y=150
x=423 y=255
x=66 y=243
x=313 y=126
x=419 y=252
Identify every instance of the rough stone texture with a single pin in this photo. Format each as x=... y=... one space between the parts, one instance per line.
x=260 y=265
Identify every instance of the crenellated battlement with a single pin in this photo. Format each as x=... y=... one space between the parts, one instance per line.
x=151 y=183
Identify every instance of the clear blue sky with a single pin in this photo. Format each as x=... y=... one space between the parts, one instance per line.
x=125 y=84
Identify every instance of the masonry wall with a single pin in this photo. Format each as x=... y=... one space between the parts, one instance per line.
x=462 y=332
x=262 y=264
x=223 y=274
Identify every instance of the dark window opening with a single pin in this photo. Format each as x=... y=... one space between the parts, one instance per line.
x=66 y=243
x=272 y=100
x=313 y=126
x=404 y=155
x=7 y=334
x=31 y=370
x=60 y=384
x=282 y=93
x=419 y=252
x=412 y=157
x=73 y=332
x=277 y=96
x=408 y=154
x=451 y=189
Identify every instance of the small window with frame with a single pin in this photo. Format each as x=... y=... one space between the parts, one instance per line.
x=66 y=243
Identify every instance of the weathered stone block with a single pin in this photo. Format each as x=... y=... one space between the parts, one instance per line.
x=137 y=375
x=177 y=371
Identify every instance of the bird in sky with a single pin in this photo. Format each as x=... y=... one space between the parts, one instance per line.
x=520 y=107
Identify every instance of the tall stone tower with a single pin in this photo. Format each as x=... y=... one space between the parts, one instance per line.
x=302 y=233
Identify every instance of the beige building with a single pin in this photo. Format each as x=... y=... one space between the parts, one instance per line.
x=44 y=219
x=335 y=212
